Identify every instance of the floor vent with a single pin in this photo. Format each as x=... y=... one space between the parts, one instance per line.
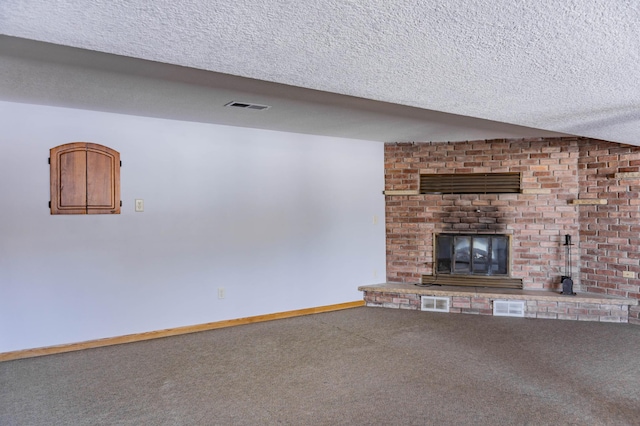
x=434 y=304
x=247 y=105
x=508 y=308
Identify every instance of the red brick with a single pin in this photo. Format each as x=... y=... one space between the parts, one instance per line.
x=575 y=168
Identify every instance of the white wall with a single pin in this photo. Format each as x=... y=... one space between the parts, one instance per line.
x=282 y=221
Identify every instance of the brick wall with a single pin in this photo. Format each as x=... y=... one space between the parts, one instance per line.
x=610 y=234
x=555 y=171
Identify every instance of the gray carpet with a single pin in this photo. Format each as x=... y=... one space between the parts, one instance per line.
x=363 y=366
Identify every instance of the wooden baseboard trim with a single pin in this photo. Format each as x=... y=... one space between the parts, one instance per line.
x=130 y=338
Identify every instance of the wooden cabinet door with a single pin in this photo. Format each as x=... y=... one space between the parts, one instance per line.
x=71 y=181
x=85 y=179
x=103 y=180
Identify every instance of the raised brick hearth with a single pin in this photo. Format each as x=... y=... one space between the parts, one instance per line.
x=479 y=301
x=586 y=188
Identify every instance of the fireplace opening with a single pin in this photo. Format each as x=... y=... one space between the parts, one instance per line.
x=472 y=254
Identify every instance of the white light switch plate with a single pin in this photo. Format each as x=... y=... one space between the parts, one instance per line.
x=139 y=205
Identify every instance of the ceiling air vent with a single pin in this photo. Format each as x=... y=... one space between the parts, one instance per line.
x=246 y=105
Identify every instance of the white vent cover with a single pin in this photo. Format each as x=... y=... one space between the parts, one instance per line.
x=434 y=303
x=247 y=105
x=508 y=308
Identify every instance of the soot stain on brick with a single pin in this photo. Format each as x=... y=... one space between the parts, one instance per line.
x=465 y=218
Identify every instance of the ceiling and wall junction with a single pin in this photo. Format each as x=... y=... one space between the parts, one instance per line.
x=376 y=70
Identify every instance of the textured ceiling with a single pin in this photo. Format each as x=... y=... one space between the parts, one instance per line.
x=568 y=66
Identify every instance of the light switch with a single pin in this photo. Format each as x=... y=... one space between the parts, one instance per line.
x=139 y=205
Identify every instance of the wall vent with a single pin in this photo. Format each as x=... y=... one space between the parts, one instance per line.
x=508 y=308
x=434 y=304
x=246 y=105
x=470 y=183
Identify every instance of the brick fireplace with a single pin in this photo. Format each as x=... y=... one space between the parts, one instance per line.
x=585 y=188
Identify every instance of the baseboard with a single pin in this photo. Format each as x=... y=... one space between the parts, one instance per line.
x=130 y=338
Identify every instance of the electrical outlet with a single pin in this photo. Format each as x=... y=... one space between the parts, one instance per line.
x=139 y=205
x=375 y=273
x=628 y=274
x=375 y=220
x=221 y=292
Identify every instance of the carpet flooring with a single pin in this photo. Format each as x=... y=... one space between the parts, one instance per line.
x=362 y=366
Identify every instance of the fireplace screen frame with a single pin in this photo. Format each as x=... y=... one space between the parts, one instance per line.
x=491 y=254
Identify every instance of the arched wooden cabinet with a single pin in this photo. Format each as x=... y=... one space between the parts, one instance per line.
x=85 y=179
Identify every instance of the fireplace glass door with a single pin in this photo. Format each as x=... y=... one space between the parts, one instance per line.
x=472 y=254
